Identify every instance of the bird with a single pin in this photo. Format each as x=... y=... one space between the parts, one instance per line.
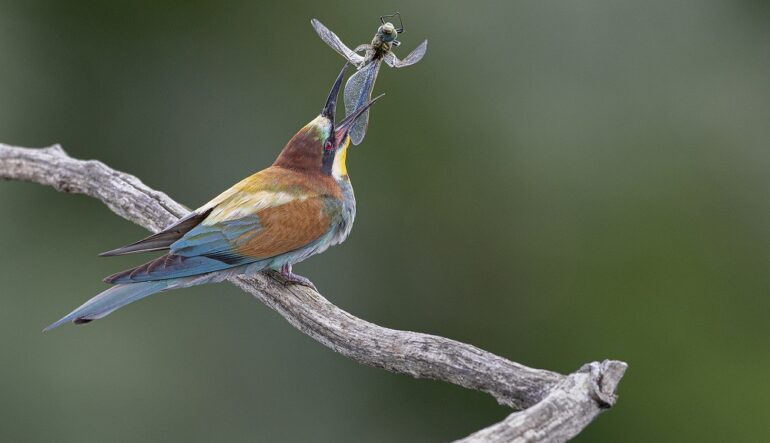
x=298 y=207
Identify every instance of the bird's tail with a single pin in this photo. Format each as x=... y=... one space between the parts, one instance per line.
x=114 y=298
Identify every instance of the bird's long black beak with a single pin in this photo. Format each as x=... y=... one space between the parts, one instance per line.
x=330 y=107
x=341 y=129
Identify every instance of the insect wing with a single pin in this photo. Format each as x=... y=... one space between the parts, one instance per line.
x=335 y=43
x=413 y=57
x=358 y=90
x=390 y=59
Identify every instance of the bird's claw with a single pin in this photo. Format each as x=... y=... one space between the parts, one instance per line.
x=290 y=277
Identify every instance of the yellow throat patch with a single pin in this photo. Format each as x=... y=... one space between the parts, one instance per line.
x=339 y=169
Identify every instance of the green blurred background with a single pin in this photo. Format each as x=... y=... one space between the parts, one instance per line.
x=556 y=182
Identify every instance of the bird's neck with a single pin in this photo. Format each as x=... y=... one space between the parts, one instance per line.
x=304 y=151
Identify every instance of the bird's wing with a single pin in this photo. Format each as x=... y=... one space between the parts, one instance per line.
x=335 y=43
x=242 y=227
x=163 y=239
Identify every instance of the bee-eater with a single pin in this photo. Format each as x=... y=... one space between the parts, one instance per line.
x=298 y=207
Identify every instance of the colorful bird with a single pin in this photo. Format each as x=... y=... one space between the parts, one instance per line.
x=359 y=86
x=298 y=207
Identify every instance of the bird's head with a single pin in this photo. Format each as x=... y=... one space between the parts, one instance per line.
x=321 y=146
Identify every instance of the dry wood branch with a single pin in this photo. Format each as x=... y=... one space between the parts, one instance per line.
x=553 y=407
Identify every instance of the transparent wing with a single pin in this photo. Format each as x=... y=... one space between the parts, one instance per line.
x=363 y=47
x=413 y=57
x=335 y=43
x=390 y=59
x=358 y=90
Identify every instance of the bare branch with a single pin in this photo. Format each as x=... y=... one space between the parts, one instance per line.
x=564 y=412
x=123 y=193
x=553 y=407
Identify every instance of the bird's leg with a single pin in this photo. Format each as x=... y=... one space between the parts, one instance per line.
x=294 y=278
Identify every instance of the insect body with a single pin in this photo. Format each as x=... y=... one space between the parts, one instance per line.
x=358 y=89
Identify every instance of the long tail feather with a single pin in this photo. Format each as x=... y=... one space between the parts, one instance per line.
x=122 y=294
x=112 y=299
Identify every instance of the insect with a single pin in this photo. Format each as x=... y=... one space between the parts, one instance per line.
x=358 y=89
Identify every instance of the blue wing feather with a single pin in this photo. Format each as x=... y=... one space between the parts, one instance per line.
x=217 y=238
x=205 y=248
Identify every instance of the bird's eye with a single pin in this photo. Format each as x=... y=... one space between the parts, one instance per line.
x=328 y=145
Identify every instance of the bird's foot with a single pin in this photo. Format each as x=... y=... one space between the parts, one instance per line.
x=291 y=277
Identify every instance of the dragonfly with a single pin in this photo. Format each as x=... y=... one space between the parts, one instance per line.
x=358 y=89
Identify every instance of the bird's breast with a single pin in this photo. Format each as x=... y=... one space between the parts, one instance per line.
x=348 y=213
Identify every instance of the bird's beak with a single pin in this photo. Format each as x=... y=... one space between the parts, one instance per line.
x=329 y=111
x=330 y=107
x=341 y=129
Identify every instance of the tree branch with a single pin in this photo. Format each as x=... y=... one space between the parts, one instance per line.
x=553 y=407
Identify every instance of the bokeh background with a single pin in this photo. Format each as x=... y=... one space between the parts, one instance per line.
x=556 y=182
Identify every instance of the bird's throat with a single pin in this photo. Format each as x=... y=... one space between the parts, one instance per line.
x=339 y=169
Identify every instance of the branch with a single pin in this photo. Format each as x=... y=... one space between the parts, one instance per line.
x=553 y=407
